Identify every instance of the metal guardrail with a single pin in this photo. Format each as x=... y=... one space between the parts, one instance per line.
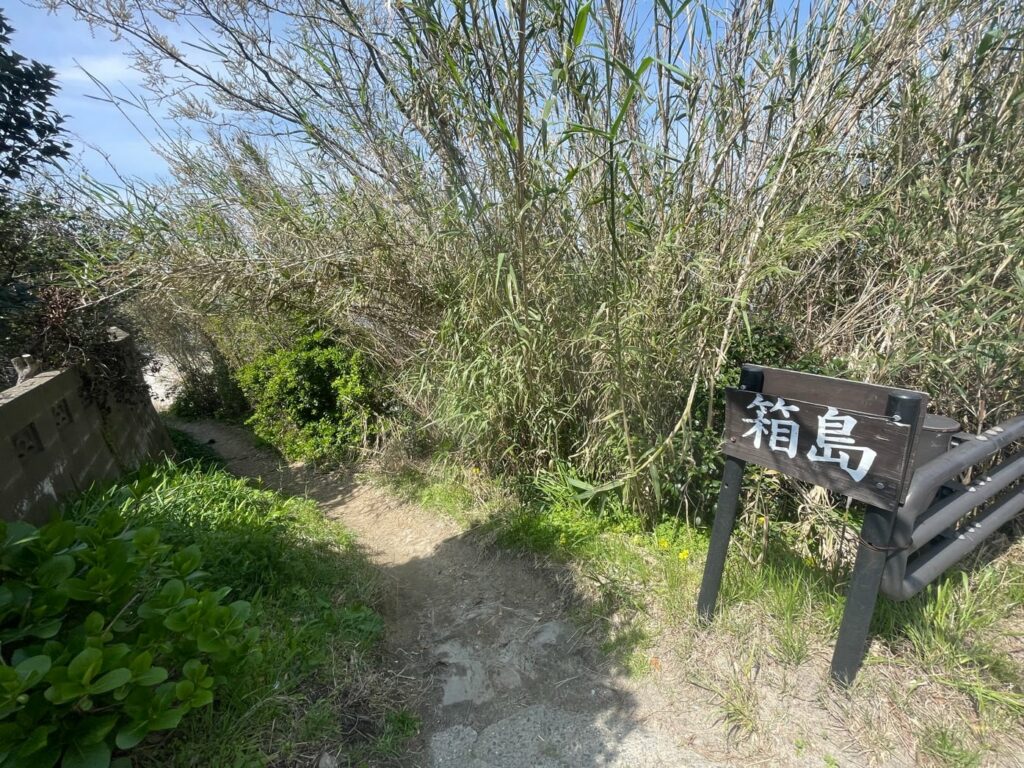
x=919 y=519
x=926 y=539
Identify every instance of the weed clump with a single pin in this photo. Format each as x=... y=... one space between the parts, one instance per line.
x=315 y=400
x=184 y=588
x=108 y=635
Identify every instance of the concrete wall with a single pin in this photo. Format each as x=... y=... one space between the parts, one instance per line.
x=53 y=443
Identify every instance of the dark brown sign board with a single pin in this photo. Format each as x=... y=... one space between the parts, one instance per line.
x=853 y=438
x=839 y=393
x=831 y=432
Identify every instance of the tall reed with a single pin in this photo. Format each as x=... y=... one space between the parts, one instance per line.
x=563 y=224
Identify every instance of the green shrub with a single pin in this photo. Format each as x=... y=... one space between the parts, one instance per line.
x=105 y=637
x=210 y=394
x=248 y=536
x=312 y=594
x=314 y=401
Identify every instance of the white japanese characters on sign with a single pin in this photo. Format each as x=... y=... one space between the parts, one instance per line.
x=834 y=442
x=783 y=433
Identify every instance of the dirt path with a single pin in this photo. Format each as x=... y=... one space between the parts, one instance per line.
x=509 y=681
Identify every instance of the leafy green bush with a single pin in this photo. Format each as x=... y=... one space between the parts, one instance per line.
x=247 y=535
x=106 y=637
x=210 y=394
x=314 y=401
x=311 y=592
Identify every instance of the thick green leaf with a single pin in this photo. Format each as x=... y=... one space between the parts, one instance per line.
x=94 y=729
x=32 y=670
x=177 y=621
x=86 y=665
x=62 y=693
x=36 y=741
x=141 y=663
x=172 y=591
x=152 y=676
x=241 y=609
x=131 y=735
x=146 y=538
x=168 y=719
x=93 y=624
x=19 y=532
x=87 y=756
x=115 y=678
x=47 y=629
x=184 y=689
x=55 y=570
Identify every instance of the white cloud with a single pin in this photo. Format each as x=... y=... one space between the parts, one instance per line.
x=107 y=68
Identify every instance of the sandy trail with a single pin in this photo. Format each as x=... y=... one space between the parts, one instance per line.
x=508 y=680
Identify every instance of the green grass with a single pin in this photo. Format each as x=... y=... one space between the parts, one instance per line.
x=948 y=643
x=953 y=632
x=437 y=493
x=948 y=748
x=315 y=683
x=188 y=451
x=738 y=699
x=442 y=486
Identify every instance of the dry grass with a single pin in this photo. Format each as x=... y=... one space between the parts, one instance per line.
x=830 y=186
x=942 y=684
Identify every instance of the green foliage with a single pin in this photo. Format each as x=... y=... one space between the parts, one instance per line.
x=446 y=489
x=30 y=131
x=210 y=394
x=563 y=265
x=240 y=530
x=948 y=630
x=316 y=400
x=566 y=265
x=948 y=748
x=557 y=520
x=44 y=311
x=314 y=664
x=399 y=727
x=107 y=636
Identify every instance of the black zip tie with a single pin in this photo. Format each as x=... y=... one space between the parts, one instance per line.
x=880 y=548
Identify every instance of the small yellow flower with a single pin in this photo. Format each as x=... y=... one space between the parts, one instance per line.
x=760 y=520
x=683 y=554
x=663 y=543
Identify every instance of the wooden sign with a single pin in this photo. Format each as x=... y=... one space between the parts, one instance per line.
x=853 y=438
x=840 y=393
x=846 y=436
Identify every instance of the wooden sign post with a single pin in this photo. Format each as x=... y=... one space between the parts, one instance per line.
x=853 y=438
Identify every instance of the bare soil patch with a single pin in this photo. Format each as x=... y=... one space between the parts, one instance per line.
x=503 y=677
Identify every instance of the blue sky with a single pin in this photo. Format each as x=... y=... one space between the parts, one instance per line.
x=101 y=134
x=97 y=128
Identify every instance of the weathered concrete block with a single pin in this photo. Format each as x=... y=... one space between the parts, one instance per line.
x=54 y=443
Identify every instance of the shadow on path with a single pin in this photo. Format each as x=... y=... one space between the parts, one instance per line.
x=506 y=680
